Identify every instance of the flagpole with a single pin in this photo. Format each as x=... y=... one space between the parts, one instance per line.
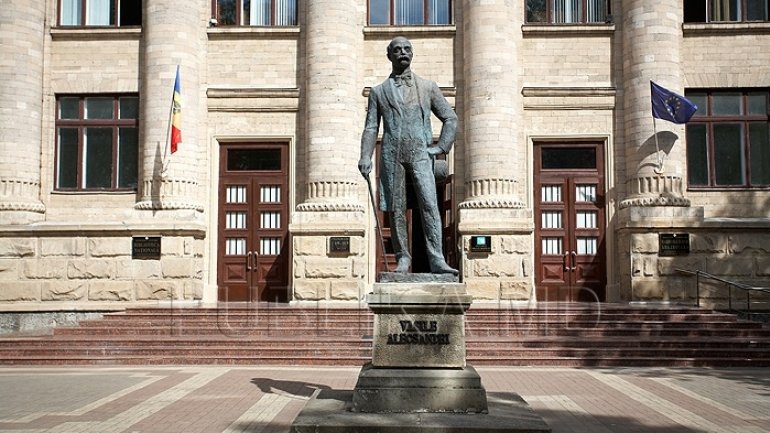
x=660 y=169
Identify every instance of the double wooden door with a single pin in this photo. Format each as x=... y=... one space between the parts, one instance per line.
x=570 y=222
x=253 y=262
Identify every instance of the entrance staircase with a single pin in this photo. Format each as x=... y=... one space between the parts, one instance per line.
x=574 y=335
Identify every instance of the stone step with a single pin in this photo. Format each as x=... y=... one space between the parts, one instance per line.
x=553 y=335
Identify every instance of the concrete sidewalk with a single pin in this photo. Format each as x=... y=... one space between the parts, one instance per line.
x=216 y=399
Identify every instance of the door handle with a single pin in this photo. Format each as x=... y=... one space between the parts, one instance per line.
x=574 y=261
x=248 y=261
x=254 y=260
x=566 y=262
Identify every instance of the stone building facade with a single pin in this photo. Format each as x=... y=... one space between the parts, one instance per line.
x=559 y=188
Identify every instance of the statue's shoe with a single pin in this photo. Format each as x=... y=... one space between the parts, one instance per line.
x=403 y=265
x=442 y=268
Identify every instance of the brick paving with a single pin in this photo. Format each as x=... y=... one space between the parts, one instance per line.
x=223 y=399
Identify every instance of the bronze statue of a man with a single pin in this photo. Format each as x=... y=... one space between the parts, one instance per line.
x=404 y=103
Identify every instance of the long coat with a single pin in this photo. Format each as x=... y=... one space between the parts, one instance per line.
x=384 y=105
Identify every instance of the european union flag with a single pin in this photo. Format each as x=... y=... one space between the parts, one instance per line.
x=667 y=105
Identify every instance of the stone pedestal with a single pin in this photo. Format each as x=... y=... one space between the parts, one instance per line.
x=418 y=379
x=418 y=357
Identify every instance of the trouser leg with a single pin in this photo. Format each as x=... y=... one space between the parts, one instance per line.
x=398 y=227
x=425 y=190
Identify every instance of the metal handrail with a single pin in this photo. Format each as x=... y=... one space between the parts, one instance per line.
x=730 y=284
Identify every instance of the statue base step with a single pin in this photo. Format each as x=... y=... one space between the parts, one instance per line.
x=327 y=412
x=405 y=390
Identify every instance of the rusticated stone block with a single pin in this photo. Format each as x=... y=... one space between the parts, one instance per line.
x=310 y=245
x=649 y=266
x=669 y=265
x=498 y=266
x=47 y=269
x=515 y=244
x=644 y=243
x=174 y=247
x=328 y=268
x=90 y=269
x=63 y=247
x=643 y=266
x=712 y=243
x=193 y=290
x=305 y=290
x=526 y=266
x=739 y=243
x=346 y=290
x=762 y=266
x=196 y=247
x=64 y=290
x=515 y=290
x=110 y=291
x=484 y=289
x=731 y=266
x=360 y=267
x=109 y=247
x=145 y=269
x=648 y=290
x=176 y=267
x=17 y=247
x=299 y=267
x=20 y=291
x=9 y=269
x=155 y=290
x=357 y=246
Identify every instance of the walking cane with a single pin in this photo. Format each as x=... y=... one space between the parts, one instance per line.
x=377 y=221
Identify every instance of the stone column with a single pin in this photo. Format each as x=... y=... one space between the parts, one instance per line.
x=332 y=204
x=493 y=103
x=172 y=34
x=495 y=149
x=652 y=40
x=22 y=35
x=654 y=200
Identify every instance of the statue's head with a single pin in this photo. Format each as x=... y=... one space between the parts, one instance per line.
x=400 y=53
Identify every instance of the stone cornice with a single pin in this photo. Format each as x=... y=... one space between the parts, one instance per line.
x=103 y=229
x=252 y=92
x=96 y=33
x=725 y=29
x=558 y=30
x=569 y=98
x=246 y=32
x=578 y=92
x=387 y=32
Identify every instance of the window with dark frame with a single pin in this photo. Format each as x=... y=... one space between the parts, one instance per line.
x=267 y=13
x=410 y=12
x=708 y=11
x=728 y=145
x=100 y=13
x=97 y=142
x=567 y=11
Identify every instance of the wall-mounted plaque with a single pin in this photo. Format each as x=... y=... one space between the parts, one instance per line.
x=339 y=245
x=673 y=244
x=145 y=248
x=481 y=244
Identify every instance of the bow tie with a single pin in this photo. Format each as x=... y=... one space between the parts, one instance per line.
x=400 y=80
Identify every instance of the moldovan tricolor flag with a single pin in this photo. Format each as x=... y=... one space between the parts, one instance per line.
x=176 y=114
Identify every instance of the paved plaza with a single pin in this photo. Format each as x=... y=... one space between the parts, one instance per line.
x=214 y=399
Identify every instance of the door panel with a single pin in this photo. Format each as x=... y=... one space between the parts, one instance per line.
x=570 y=222
x=253 y=231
